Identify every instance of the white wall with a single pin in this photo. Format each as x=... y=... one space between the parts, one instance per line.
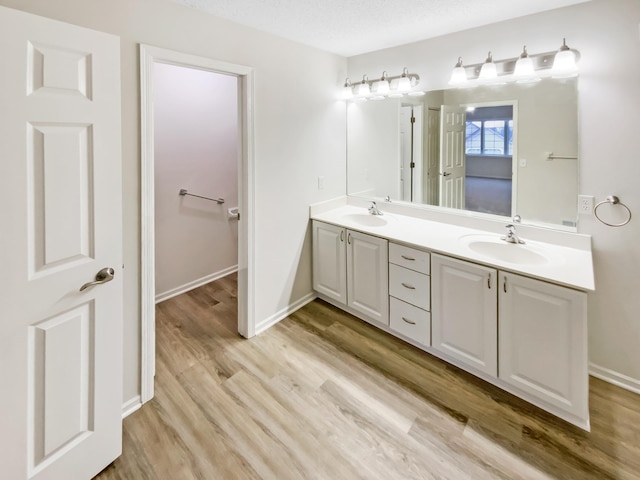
x=195 y=147
x=299 y=135
x=606 y=34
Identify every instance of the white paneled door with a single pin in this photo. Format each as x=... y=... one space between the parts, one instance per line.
x=452 y=157
x=61 y=224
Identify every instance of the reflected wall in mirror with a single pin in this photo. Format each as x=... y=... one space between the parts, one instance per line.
x=501 y=150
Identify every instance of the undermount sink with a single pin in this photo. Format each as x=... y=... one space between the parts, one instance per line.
x=493 y=247
x=367 y=219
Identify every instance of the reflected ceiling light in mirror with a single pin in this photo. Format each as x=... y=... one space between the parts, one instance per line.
x=458 y=75
x=564 y=63
x=381 y=87
x=347 y=89
x=524 y=71
x=362 y=88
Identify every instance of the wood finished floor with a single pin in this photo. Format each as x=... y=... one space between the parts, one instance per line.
x=323 y=395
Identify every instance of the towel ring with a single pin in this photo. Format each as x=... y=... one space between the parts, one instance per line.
x=613 y=200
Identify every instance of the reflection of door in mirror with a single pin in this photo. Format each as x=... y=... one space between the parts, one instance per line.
x=489 y=153
x=411 y=164
x=432 y=160
x=452 y=157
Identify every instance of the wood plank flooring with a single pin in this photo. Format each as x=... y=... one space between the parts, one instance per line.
x=323 y=395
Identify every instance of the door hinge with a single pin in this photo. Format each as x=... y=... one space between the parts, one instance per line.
x=412 y=165
x=413 y=119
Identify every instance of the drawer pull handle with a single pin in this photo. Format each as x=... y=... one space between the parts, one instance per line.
x=408 y=258
x=408 y=321
x=410 y=287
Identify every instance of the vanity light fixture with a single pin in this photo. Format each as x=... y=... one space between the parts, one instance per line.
x=383 y=87
x=458 y=75
x=363 y=89
x=347 y=90
x=564 y=63
x=524 y=71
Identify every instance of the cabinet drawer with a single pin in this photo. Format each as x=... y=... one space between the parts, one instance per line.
x=410 y=321
x=409 y=258
x=410 y=286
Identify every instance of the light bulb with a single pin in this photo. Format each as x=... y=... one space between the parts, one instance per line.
x=488 y=72
x=381 y=87
x=459 y=74
x=564 y=63
x=404 y=82
x=524 y=71
x=362 y=88
x=347 y=90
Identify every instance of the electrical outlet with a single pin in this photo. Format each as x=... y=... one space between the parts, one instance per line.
x=320 y=183
x=585 y=204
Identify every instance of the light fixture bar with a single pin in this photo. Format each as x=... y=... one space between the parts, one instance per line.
x=368 y=89
x=541 y=62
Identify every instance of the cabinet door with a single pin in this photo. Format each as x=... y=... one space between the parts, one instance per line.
x=330 y=261
x=543 y=341
x=367 y=276
x=464 y=312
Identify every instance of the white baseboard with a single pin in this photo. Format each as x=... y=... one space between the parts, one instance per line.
x=161 y=297
x=131 y=406
x=611 y=376
x=284 y=313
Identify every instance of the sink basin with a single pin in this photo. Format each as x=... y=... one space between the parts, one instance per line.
x=367 y=220
x=493 y=247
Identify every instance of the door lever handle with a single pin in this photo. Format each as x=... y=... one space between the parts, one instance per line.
x=103 y=276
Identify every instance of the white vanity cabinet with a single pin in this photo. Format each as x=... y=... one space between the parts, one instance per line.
x=330 y=261
x=410 y=293
x=513 y=315
x=464 y=323
x=543 y=342
x=529 y=334
x=351 y=268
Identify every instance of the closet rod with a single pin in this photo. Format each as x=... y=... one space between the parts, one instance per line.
x=183 y=192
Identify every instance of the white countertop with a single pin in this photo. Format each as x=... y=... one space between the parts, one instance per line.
x=572 y=267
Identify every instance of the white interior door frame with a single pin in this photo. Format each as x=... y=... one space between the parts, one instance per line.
x=246 y=311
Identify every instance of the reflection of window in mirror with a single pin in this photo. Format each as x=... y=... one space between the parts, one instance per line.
x=489 y=150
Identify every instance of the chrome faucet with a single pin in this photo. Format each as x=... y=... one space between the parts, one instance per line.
x=374 y=210
x=511 y=236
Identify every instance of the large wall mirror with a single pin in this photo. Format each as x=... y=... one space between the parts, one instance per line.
x=492 y=150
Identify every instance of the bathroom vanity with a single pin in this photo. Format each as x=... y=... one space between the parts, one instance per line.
x=513 y=315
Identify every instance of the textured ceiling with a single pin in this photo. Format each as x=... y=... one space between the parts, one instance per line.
x=352 y=27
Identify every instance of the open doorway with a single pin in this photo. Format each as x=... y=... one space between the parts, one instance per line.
x=489 y=151
x=150 y=59
x=196 y=131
